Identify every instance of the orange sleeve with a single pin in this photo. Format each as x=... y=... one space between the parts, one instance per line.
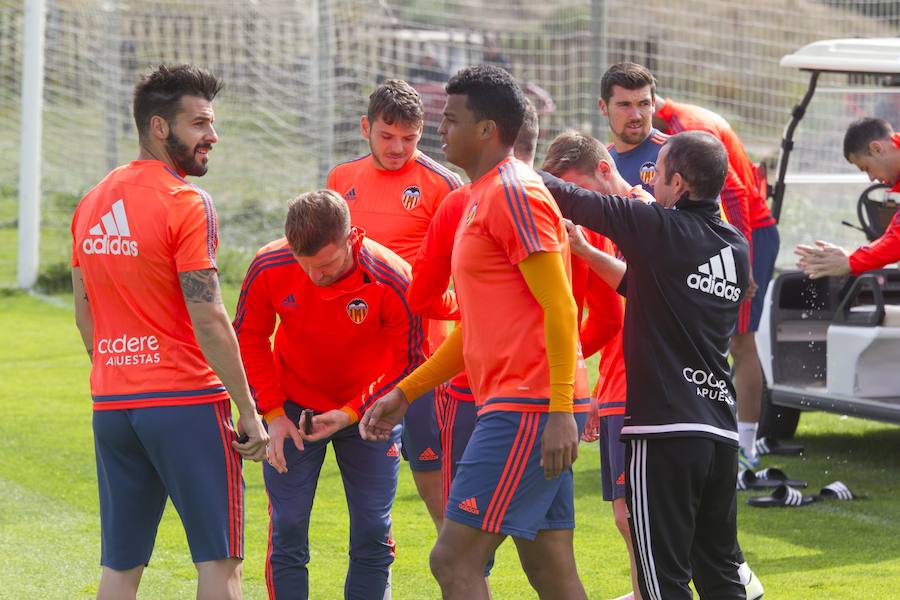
x=881 y=252
x=525 y=221
x=428 y=293
x=193 y=231
x=606 y=312
x=736 y=203
x=254 y=323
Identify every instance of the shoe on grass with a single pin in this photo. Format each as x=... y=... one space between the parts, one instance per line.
x=747 y=462
x=754 y=587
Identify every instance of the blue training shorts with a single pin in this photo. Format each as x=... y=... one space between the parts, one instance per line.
x=500 y=487
x=144 y=456
x=421 y=439
x=612 y=457
x=766 y=243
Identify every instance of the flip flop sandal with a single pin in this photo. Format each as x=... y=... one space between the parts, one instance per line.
x=836 y=491
x=767 y=445
x=775 y=477
x=783 y=495
x=765 y=479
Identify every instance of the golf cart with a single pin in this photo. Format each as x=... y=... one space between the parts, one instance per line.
x=833 y=344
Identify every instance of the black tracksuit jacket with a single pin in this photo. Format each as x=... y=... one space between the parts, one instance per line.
x=687 y=271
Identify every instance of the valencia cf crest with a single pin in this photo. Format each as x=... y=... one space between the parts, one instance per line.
x=357 y=309
x=471 y=214
x=411 y=196
x=648 y=170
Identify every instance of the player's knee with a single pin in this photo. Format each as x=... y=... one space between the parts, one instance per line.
x=290 y=526
x=443 y=561
x=370 y=544
x=542 y=574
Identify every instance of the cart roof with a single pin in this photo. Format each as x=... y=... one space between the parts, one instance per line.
x=859 y=55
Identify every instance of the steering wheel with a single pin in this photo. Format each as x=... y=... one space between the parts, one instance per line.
x=873 y=212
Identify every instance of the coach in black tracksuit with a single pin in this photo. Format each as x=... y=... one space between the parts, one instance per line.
x=686 y=274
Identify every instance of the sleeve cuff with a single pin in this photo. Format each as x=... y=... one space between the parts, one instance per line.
x=273 y=414
x=350 y=413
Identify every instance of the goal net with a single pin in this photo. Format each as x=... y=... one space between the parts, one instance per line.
x=298 y=74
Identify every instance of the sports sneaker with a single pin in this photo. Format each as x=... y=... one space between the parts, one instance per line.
x=747 y=462
x=754 y=587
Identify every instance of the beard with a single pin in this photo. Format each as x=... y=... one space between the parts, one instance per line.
x=185 y=157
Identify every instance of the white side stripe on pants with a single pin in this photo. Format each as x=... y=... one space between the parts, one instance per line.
x=641 y=516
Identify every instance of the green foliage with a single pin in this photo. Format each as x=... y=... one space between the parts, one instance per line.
x=55 y=278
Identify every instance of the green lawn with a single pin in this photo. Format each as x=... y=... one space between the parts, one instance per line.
x=49 y=527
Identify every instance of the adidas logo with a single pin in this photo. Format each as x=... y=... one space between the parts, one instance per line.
x=350 y=195
x=717 y=276
x=428 y=454
x=108 y=234
x=289 y=301
x=394 y=450
x=469 y=506
x=621 y=479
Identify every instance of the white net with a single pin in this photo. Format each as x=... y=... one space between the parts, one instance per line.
x=298 y=74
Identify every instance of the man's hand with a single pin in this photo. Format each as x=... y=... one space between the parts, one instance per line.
x=559 y=444
x=378 y=422
x=324 y=425
x=577 y=242
x=281 y=428
x=824 y=260
x=254 y=448
x=591 y=431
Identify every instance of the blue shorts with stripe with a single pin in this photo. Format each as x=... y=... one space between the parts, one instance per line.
x=612 y=457
x=146 y=455
x=500 y=486
x=421 y=438
x=766 y=243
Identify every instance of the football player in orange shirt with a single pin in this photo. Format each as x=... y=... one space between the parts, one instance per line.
x=393 y=193
x=344 y=336
x=164 y=358
x=517 y=340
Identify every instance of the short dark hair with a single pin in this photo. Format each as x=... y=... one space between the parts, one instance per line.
x=314 y=220
x=159 y=92
x=395 y=101
x=701 y=160
x=526 y=139
x=863 y=132
x=573 y=150
x=491 y=93
x=628 y=75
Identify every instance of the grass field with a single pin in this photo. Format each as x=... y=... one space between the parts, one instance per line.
x=49 y=526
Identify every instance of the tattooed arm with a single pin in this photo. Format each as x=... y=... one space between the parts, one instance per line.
x=217 y=340
x=83 y=319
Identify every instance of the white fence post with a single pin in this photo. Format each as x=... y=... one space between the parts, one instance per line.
x=30 y=158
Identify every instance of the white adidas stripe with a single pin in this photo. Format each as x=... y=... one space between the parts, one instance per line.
x=114 y=222
x=721 y=266
x=641 y=517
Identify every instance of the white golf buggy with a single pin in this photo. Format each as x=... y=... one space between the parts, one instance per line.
x=832 y=344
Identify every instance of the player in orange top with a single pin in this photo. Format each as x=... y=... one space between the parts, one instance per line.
x=744 y=198
x=871 y=145
x=164 y=358
x=517 y=340
x=345 y=336
x=428 y=295
x=582 y=160
x=393 y=193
